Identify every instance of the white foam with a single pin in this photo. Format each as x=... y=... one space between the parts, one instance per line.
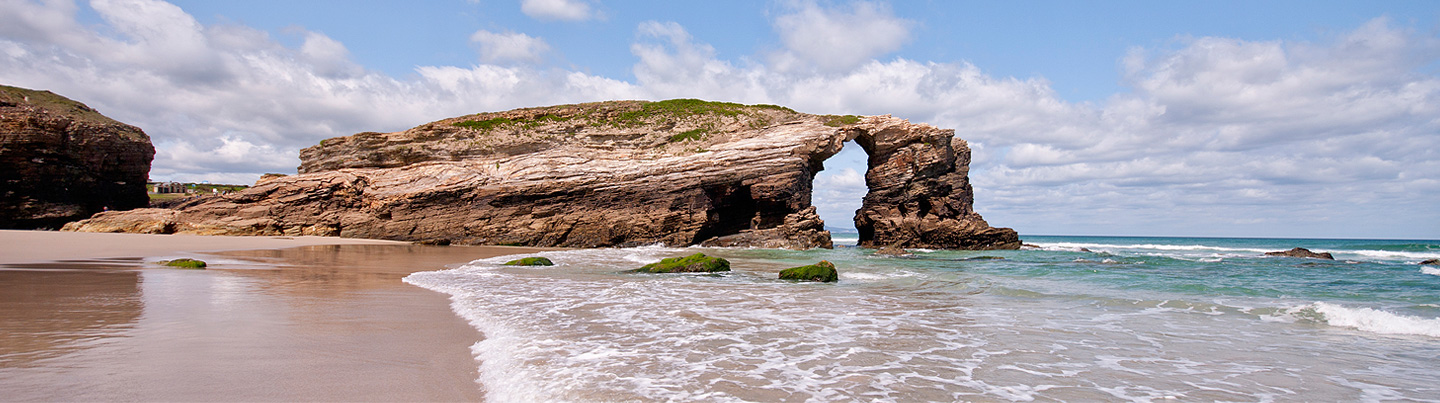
x=1076 y=246
x=1430 y=270
x=1368 y=319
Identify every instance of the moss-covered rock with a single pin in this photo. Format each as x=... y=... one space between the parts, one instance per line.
x=823 y=272
x=696 y=263
x=530 y=261
x=184 y=263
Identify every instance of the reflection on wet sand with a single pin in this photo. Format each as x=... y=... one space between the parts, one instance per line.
x=309 y=323
x=46 y=314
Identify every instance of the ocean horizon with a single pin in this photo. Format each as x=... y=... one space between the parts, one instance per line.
x=1077 y=318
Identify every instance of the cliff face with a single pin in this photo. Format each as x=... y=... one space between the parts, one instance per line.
x=64 y=161
x=622 y=173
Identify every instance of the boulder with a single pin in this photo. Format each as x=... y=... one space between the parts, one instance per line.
x=696 y=263
x=185 y=263
x=64 y=161
x=620 y=173
x=1431 y=262
x=530 y=261
x=1302 y=253
x=821 y=272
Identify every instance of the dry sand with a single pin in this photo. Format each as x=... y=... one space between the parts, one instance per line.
x=330 y=321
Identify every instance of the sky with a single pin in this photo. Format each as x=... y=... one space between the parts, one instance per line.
x=1300 y=119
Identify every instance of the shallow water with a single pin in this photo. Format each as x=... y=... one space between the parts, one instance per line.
x=1137 y=319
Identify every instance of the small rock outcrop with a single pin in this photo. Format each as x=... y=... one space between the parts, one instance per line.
x=1302 y=253
x=63 y=161
x=621 y=173
x=892 y=250
x=823 y=272
x=530 y=261
x=1431 y=262
x=696 y=263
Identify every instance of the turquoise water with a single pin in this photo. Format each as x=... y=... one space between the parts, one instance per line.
x=1078 y=319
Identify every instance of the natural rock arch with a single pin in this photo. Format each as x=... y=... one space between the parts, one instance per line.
x=619 y=173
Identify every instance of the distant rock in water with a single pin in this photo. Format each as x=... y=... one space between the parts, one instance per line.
x=64 y=161
x=621 y=173
x=892 y=250
x=820 y=272
x=1302 y=252
x=1431 y=262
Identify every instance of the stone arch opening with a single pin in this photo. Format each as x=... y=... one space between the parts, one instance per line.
x=837 y=191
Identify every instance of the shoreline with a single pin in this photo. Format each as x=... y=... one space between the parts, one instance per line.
x=88 y=317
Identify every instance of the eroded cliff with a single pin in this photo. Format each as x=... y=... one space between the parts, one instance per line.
x=63 y=161
x=620 y=173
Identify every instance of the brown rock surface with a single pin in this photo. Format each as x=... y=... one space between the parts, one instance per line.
x=63 y=161
x=622 y=173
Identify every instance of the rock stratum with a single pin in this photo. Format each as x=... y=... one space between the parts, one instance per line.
x=620 y=173
x=64 y=161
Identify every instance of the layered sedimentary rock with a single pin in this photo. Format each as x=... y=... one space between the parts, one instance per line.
x=621 y=173
x=63 y=161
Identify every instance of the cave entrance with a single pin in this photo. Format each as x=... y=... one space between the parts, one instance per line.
x=839 y=189
x=733 y=210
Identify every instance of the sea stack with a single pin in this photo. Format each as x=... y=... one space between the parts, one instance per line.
x=64 y=161
x=619 y=173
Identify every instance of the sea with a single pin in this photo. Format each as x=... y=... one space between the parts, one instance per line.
x=1138 y=319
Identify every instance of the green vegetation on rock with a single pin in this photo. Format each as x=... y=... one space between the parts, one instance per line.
x=822 y=272
x=484 y=125
x=837 y=121
x=530 y=261
x=688 y=135
x=696 y=263
x=183 y=263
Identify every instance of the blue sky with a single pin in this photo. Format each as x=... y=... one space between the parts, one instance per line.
x=1221 y=118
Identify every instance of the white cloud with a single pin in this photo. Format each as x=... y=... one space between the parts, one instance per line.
x=565 y=10
x=837 y=39
x=509 y=47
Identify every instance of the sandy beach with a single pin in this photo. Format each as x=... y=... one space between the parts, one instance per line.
x=89 y=317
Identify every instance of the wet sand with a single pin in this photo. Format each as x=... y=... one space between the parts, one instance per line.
x=305 y=323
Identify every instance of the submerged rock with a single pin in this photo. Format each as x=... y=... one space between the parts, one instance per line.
x=63 y=161
x=621 y=173
x=1302 y=253
x=530 y=261
x=893 y=250
x=822 y=272
x=696 y=263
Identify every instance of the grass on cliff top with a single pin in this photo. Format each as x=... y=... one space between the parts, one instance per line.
x=56 y=103
x=648 y=112
x=837 y=121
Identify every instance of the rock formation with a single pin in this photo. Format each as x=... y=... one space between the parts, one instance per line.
x=1303 y=253
x=823 y=272
x=64 y=161
x=696 y=263
x=620 y=173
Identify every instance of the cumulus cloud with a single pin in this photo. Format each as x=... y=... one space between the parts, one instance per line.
x=564 y=10
x=1214 y=136
x=499 y=47
x=837 y=39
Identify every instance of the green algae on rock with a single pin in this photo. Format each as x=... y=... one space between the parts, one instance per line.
x=530 y=261
x=184 y=263
x=696 y=263
x=823 y=272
